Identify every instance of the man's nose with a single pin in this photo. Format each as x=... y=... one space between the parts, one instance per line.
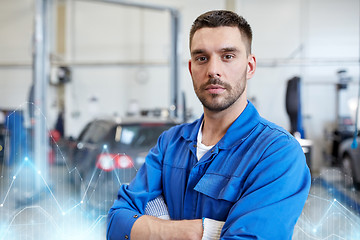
x=214 y=68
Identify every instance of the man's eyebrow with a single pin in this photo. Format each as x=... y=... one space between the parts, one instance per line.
x=229 y=49
x=197 y=51
x=225 y=49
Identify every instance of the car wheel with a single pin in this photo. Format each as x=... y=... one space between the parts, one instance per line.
x=347 y=168
x=357 y=185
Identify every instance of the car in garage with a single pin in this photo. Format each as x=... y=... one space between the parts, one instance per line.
x=108 y=153
x=349 y=158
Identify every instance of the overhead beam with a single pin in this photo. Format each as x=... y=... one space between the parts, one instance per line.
x=135 y=4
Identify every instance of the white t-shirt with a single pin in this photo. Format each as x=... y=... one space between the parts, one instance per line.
x=201 y=148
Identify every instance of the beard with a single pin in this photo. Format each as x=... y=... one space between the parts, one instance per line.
x=218 y=102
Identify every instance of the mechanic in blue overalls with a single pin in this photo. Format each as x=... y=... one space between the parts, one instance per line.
x=230 y=174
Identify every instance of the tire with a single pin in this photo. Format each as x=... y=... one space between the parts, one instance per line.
x=348 y=169
x=357 y=185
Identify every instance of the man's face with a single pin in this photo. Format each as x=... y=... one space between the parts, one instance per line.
x=219 y=67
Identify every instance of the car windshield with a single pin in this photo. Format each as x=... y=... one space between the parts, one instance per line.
x=138 y=135
x=96 y=132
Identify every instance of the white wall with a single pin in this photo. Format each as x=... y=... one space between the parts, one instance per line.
x=310 y=39
x=328 y=34
x=15 y=49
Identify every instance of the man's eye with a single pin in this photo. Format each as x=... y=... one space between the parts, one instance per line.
x=201 y=59
x=228 y=56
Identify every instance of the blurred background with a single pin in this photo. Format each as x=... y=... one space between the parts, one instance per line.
x=87 y=86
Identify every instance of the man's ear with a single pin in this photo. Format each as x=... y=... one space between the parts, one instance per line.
x=251 y=67
x=189 y=65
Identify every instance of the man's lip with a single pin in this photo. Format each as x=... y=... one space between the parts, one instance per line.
x=212 y=86
x=215 y=89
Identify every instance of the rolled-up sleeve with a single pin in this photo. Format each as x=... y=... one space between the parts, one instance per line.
x=120 y=223
x=132 y=198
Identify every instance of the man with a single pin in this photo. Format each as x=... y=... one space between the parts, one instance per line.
x=230 y=165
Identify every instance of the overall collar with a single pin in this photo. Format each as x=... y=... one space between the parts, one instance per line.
x=237 y=132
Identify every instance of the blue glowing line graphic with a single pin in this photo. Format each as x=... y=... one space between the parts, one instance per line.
x=60 y=212
x=325 y=215
x=20 y=205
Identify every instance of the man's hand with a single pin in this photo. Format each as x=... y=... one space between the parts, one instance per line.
x=149 y=227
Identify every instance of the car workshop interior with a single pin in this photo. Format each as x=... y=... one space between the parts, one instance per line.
x=88 y=86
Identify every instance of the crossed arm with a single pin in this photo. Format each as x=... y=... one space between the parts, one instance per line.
x=156 y=224
x=149 y=227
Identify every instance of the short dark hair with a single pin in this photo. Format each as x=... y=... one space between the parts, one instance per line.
x=223 y=18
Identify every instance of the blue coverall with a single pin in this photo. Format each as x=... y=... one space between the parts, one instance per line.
x=255 y=179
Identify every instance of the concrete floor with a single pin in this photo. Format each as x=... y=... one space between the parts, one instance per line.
x=54 y=211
